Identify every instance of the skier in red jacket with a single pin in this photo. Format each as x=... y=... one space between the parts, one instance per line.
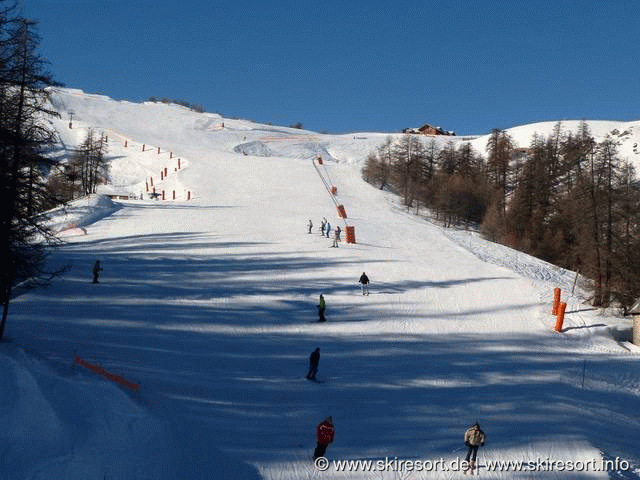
x=325 y=432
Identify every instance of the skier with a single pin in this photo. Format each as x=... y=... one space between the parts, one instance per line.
x=323 y=225
x=321 y=308
x=314 y=360
x=325 y=432
x=364 y=280
x=328 y=229
x=310 y=225
x=473 y=438
x=96 y=271
x=336 y=237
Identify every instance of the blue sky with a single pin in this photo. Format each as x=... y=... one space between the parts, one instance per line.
x=346 y=66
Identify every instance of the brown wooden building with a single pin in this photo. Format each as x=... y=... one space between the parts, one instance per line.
x=428 y=129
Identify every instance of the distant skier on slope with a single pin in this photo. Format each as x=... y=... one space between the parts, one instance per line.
x=336 y=237
x=314 y=360
x=328 y=229
x=323 y=225
x=96 y=271
x=325 y=433
x=310 y=225
x=364 y=280
x=321 y=308
x=474 y=438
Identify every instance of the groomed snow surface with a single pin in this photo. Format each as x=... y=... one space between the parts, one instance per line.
x=210 y=305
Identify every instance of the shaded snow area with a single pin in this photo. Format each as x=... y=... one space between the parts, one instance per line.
x=209 y=305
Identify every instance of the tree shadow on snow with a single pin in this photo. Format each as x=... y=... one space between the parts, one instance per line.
x=223 y=340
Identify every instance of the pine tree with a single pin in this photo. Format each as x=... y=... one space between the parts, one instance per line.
x=89 y=164
x=408 y=155
x=23 y=138
x=626 y=247
x=500 y=149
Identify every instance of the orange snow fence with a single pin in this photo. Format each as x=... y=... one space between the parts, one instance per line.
x=556 y=301
x=342 y=213
x=110 y=376
x=351 y=234
x=561 y=308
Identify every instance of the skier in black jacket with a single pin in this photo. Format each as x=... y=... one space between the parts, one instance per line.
x=364 y=280
x=96 y=271
x=314 y=360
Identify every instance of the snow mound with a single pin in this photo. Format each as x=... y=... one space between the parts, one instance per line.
x=514 y=260
x=80 y=213
x=55 y=427
x=286 y=148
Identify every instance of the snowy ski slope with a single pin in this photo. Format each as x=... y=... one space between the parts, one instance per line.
x=209 y=304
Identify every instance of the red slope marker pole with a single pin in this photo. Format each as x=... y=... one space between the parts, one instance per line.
x=560 y=319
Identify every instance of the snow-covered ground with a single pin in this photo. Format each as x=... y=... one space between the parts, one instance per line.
x=209 y=304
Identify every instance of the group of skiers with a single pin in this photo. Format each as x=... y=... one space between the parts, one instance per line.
x=322 y=304
x=474 y=438
x=325 y=230
x=325 y=430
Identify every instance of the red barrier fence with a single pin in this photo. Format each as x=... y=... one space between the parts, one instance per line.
x=108 y=375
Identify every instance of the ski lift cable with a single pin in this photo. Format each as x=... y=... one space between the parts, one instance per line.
x=327 y=186
x=327 y=174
